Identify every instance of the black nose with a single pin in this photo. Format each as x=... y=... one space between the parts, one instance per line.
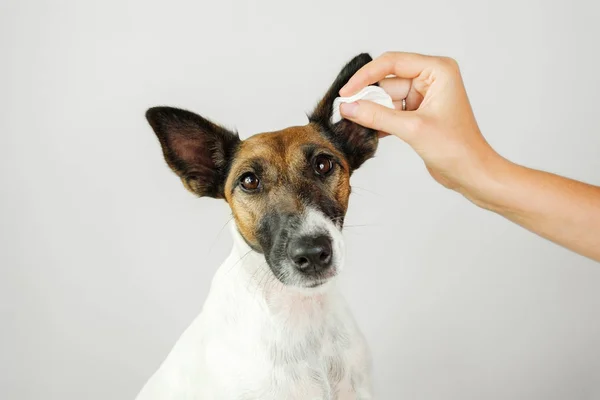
x=310 y=254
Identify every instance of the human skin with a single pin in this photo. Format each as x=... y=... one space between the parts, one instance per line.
x=440 y=126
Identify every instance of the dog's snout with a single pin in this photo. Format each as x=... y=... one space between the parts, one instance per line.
x=310 y=254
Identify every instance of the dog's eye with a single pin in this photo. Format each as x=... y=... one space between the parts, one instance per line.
x=249 y=182
x=323 y=164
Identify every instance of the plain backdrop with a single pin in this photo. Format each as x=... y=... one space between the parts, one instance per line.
x=105 y=258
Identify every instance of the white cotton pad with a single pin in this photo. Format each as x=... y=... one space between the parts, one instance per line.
x=371 y=93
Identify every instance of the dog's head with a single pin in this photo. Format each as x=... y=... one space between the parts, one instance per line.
x=288 y=190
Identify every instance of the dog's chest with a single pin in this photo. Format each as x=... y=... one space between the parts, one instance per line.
x=302 y=349
x=264 y=342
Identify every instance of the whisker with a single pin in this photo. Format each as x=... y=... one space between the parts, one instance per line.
x=210 y=249
x=360 y=225
x=251 y=279
x=262 y=278
x=257 y=272
x=367 y=190
x=356 y=233
x=237 y=262
x=272 y=281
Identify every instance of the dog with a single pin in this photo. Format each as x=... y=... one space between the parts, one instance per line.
x=273 y=326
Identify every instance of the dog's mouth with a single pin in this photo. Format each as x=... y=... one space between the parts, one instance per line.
x=307 y=251
x=318 y=282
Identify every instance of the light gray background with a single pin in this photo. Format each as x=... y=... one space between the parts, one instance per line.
x=105 y=258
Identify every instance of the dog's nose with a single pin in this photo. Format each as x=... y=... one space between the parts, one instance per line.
x=310 y=254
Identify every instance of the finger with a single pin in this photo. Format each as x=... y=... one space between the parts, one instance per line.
x=413 y=100
x=379 y=118
x=403 y=65
x=397 y=88
x=381 y=135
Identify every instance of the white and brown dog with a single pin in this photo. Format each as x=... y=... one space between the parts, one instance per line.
x=273 y=326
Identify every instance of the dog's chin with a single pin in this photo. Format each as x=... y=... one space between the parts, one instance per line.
x=318 y=281
x=310 y=285
x=295 y=280
x=317 y=286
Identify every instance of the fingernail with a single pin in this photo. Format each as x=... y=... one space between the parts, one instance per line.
x=342 y=90
x=349 y=109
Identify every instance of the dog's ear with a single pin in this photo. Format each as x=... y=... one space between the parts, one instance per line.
x=356 y=142
x=197 y=150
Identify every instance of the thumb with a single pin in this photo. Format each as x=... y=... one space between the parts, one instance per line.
x=380 y=118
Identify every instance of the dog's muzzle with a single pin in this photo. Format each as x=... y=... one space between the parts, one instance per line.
x=304 y=250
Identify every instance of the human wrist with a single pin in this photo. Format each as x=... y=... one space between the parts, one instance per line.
x=491 y=185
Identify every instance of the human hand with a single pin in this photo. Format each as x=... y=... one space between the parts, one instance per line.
x=439 y=125
x=438 y=122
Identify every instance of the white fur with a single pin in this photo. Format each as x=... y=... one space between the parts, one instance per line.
x=257 y=338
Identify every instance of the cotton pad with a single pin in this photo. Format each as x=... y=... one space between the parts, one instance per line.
x=371 y=93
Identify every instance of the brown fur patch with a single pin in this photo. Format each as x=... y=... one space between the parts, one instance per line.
x=282 y=162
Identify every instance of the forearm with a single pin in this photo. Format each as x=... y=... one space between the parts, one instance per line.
x=434 y=116
x=562 y=210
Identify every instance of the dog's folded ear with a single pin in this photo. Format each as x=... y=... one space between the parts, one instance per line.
x=197 y=150
x=356 y=142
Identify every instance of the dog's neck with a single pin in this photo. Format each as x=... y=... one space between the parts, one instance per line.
x=249 y=271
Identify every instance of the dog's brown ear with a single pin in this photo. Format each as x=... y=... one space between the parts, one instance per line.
x=197 y=150
x=356 y=142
